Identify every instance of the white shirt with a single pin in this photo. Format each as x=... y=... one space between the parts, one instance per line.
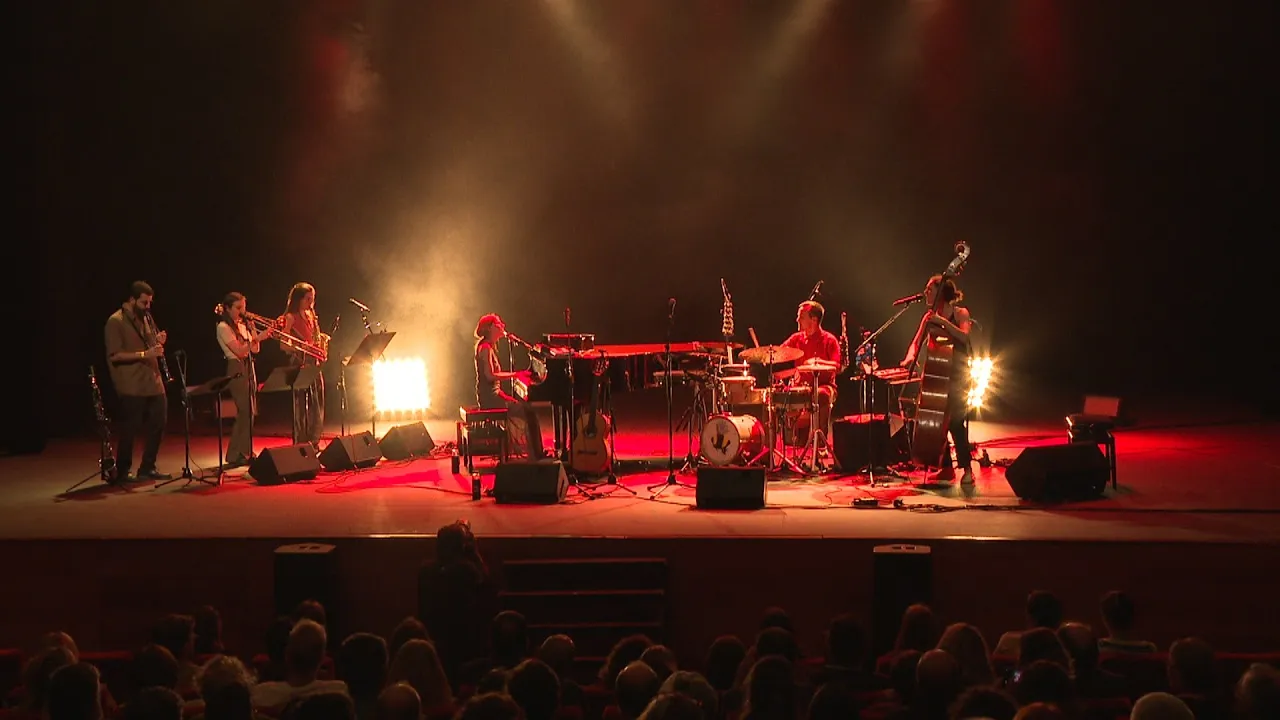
x=278 y=694
x=233 y=347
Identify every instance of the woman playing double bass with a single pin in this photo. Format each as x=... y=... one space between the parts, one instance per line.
x=954 y=322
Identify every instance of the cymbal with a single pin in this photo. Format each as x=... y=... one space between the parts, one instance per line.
x=715 y=348
x=817 y=365
x=771 y=354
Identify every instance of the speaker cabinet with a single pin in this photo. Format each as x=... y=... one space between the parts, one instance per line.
x=406 y=441
x=731 y=488
x=862 y=440
x=902 y=575
x=537 y=482
x=350 y=452
x=290 y=463
x=307 y=571
x=1057 y=473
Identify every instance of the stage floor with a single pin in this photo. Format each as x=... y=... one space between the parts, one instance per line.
x=1210 y=483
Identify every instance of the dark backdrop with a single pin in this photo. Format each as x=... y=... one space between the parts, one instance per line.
x=438 y=160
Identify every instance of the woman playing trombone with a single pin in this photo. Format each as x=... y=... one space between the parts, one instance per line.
x=239 y=343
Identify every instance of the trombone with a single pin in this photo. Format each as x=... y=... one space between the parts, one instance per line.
x=317 y=351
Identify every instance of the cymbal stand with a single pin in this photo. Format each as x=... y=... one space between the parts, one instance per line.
x=811 y=451
x=771 y=450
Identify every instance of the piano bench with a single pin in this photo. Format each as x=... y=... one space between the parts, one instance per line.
x=1095 y=430
x=482 y=433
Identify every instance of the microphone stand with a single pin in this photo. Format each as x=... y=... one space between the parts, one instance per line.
x=868 y=340
x=671 y=446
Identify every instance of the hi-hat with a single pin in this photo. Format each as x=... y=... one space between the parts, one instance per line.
x=817 y=365
x=771 y=354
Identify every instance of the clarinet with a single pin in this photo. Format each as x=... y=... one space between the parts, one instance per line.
x=108 y=460
x=160 y=359
x=844 y=341
x=726 y=319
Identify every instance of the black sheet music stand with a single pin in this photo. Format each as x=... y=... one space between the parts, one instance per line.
x=370 y=349
x=291 y=378
x=214 y=387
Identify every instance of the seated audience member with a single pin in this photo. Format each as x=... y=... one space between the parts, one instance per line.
x=919 y=631
x=1044 y=610
x=939 y=681
x=694 y=686
x=984 y=702
x=398 y=702
x=177 y=634
x=558 y=652
x=277 y=639
x=494 y=681
x=302 y=659
x=418 y=665
x=74 y=693
x=1046 y=682
x=456 y=600
x=776 y=617
x=490 y=706
x=965 y=643
x=636 y=686
x=362 y=664
x=155 y=666
x=1091 y=681
x=661 y=659
x=311 y=610
x=674 y=706
x=846 y=651
x=1118 y=616
x=723 y=658
x=535 y=688
x=1193 y=677
x=59 y=639
x=154 y=703
x=208 y=631
x=1258 y=693
x=1160 y=706
x=770 y=690
x=327 y=705
x=1041 y=711
x=36 y=675
x=1042 y=644
x=410 y=628
x=225 y=684
x=508 y=647
x=624 y=652
x=833 y=701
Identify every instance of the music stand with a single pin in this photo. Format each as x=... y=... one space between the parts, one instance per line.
x=216 y=385
x=370 y=349
x=291 y=378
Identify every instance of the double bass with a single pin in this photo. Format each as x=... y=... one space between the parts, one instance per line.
x=929 y=437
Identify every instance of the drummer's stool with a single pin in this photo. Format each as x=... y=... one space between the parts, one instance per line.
x=1095 y=426
x=482 y=432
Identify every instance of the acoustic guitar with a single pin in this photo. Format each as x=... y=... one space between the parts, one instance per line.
x=929 y=438
x=592 y=450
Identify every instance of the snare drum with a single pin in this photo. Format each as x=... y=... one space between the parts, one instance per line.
x=732 y=439
x=796 y=397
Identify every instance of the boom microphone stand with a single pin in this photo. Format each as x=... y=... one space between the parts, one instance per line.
x=671 y=430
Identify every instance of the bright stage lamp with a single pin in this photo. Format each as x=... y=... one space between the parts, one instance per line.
x=981 y=370
x=400 y=386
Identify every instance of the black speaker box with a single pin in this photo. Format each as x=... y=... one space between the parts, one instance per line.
x=307 y=571
x=859 y=440
x=405 y=441
x=1055 y=473
x=540 y=482
x=289 y=463
x=350 y=452
x=731 y=488
x=902 y=575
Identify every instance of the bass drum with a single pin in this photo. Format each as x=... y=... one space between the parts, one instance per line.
x=732 y=439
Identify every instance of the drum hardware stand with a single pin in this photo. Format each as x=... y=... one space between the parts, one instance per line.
x=186 y=474
x=696 y=417
x=671 y=426
x=771 y=449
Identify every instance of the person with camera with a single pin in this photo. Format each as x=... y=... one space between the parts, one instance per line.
x=456 y=599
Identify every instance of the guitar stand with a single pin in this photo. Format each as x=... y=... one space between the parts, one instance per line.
x=106 y=471
x=611 y=480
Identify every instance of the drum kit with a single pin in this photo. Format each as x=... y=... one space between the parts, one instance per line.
x=761 y=408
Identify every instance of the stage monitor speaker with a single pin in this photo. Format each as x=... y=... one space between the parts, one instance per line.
x=731 y=488
x=307 y=571
x=349 y=452
x=533 y=482
x=406 y=441
x=859 y=440
x=902 y=575
x=1056 y=473
x=289 y=463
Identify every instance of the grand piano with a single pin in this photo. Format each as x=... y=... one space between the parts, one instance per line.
x=564 y=366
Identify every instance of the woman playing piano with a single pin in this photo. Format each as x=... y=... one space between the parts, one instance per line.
x=489 y=377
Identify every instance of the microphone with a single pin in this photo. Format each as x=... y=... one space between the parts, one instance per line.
x=814 y=295
x=566 y=318
x=909 y=299
x=357 y=303
x=671 y=308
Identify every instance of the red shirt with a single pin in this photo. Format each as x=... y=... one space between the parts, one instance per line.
x=822 y=345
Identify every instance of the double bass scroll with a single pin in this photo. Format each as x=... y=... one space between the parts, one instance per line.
x=932 y=417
